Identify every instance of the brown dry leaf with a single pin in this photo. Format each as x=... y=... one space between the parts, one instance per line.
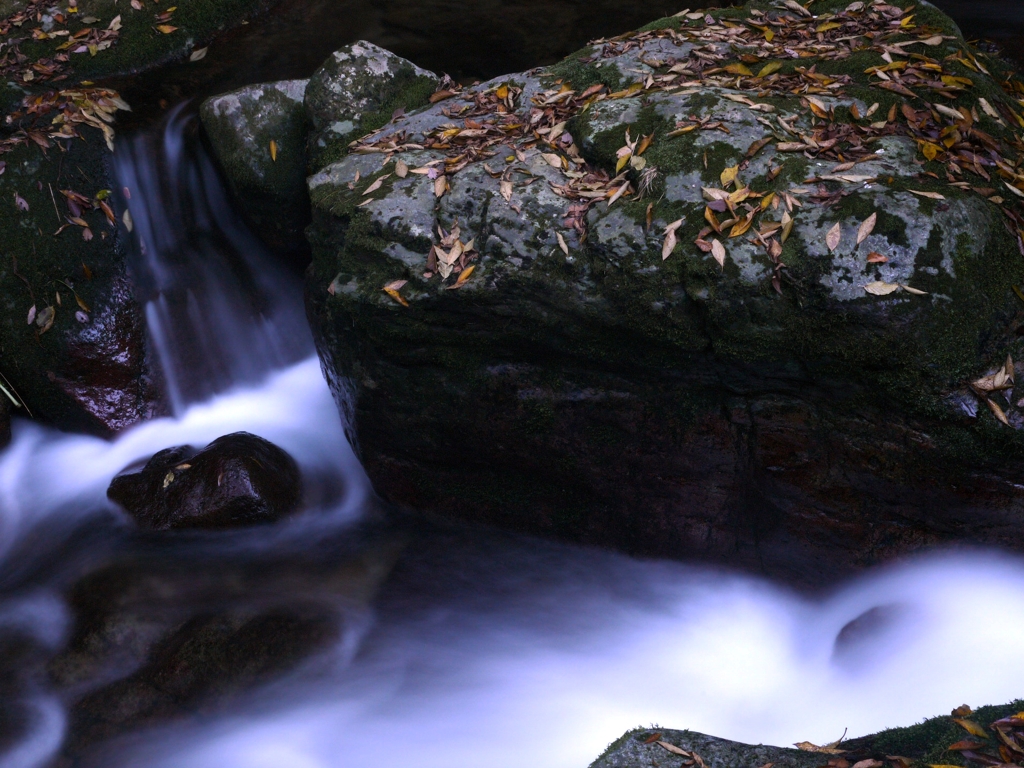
x=652 y=738
x=672 y=748
x=879 y=288
x=670 y=242
x=877 y=258
x=787 y=226
x=929 y=195
x=866 y=228
x=834 y=236
x=718 y=251
x=440 y=185
x=807 y=746
x=505 y=188
x=998 y=413
x=555 y=161
x=376 y=185
x=795 y=6
x=915 y=291
x=962 y=711
x=561 y=243
x=273 y=150
x=401 y=169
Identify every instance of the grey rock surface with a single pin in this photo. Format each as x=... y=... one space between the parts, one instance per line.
x=268 y=183
x=632 y=751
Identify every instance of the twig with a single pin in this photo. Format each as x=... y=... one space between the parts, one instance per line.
x=55 y=209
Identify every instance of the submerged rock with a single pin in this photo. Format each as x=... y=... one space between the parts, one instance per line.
x=238 y=479
x=517 y=341
x=258 y=134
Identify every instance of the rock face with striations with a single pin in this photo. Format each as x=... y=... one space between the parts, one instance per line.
x=701 y=290
x=238 y=479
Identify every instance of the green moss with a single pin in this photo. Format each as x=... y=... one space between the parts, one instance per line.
x=578 y=70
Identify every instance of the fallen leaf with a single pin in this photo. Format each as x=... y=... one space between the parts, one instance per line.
x=915 y=291
x=670 y=242
x=962 y=711
x=672 y=748
x=869 y=763
x=505 y=188
x=877 y=258
x=401 y=169
x=555 y=161
x=739 y=69
x=440 y=185
x=929 y=195
x=126 y=217
x=31 y=314
x=834 y=236
x=561 y=243
x=376 y=185
x=866 y=228
x=718 y=251
x=998 y=413
x=198 y=54
x=20 y=202
x=770 y=68
x=463 y=277
x=807 y=746
x=787 y=226
x=729 y=175
x=166 y=28
x=391 y=289
x=878 y=288
x=44 y=319
x=273 y=150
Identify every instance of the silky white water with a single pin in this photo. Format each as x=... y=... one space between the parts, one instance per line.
x=481 y=649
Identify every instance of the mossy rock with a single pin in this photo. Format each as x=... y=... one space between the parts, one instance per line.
x=357 y=90
x=258 y=135
x=587 y=388
x=87 y=371
x=640 y=748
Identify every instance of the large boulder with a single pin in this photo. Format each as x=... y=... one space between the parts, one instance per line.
x=516 y=339
x=237 y=480
x=258 y=134
x=650 y=748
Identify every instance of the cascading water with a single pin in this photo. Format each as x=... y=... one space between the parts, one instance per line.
x=460 y=647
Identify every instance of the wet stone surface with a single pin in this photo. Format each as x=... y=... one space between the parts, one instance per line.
x=239 y=479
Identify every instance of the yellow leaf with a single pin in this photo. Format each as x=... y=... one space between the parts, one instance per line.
x=729 y=175
x=394 y=294
x=929 y=150
x=739 y=69
x=828 y=26
x=502 y=92
x=463 y=277
x=273 y=150
x=769 y=35
x=770 y=68
x=969 y=725
x=767 y=201
x=166 y=28
x=741 y=227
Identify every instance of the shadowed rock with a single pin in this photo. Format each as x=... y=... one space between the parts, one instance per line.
x=239 y=479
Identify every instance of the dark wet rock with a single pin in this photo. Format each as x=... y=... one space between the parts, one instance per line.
x=268 y=185
x=239 y=479
x=5 y=421
x=161 y=637
x=357 y=90
x=639 y=749
x=87 y=370
x=677 y=407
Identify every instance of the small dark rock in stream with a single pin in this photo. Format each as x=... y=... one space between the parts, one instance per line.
x=239 y=479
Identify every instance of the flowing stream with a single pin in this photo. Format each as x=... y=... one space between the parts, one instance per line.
x=457 y=646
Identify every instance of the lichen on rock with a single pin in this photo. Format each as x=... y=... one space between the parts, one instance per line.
x=780 y=389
